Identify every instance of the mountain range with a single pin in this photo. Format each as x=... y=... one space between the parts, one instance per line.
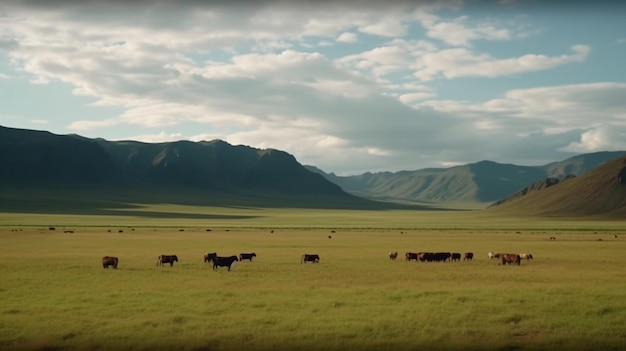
x=40 y=163
x=601 y=191
x=481 y=182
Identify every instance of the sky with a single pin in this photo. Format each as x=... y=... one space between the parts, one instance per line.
x=349 y=87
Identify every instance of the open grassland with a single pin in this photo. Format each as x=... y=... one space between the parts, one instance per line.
x=55 y=295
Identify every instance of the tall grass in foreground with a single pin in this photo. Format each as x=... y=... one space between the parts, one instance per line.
x=55 y=294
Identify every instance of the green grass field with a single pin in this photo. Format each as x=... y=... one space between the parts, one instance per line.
x=55 y=295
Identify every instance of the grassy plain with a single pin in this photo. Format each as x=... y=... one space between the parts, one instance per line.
x=54 y=294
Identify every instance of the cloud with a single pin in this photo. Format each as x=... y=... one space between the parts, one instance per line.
x=262 y=75
x=603 y=137
x=389 y=27
x=348 y=37
x=458 y=33
x=89 y=125
x=461 y=62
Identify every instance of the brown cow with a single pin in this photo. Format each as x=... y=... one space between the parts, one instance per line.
x=468 y=256
x=393 y=255
x=164 y=259
x=109 y=261
x=511 y=259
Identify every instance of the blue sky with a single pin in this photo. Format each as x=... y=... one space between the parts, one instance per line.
x=349 y=87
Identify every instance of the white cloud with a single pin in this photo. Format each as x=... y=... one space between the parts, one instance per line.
x=603 y=137
x=461 y=62
x=412 y=97
x=386 y=28
x=90 y=125
x=348 y=37
x=458 y=33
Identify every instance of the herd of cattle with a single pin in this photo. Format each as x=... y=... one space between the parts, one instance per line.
x=228 y=261
x=505 y=258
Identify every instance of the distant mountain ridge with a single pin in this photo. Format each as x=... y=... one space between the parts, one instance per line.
x=39 y=161
x=540 y=185
x=599 y=192
x=482 y=182
x=49 y=162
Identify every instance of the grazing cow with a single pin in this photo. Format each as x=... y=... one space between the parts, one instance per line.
x=410 y=256
x=456 y=256
x=525 y=256
x=468 y=256
x=425 y=256
x=224 y=262
x=511 y=259
x=552 y=238
x=493 y=255
x=393 y=255
x=109 y=261
x=310 y=258
x=209 y=257
x=164 y=259
x=441 y=256
x=246 y=256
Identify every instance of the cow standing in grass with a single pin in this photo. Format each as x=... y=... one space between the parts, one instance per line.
x=165 y=259
x=410 y=256
x=109 y=261
x=393 y=255
x=209 y=257
x=511 y=259
x=493 y=255
x=224 y=262
x=313 y=258
x=247 y=256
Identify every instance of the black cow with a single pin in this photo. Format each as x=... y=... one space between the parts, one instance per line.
x=441 y=256
x=246 y=256
x=393 y=255
x=164 y=259
x=468 y=256
x=315 y=258
x=511 y=259
x=209 y=257
x=219 y=261
x=456 y=256
x=410 y=256
x=109 y=261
